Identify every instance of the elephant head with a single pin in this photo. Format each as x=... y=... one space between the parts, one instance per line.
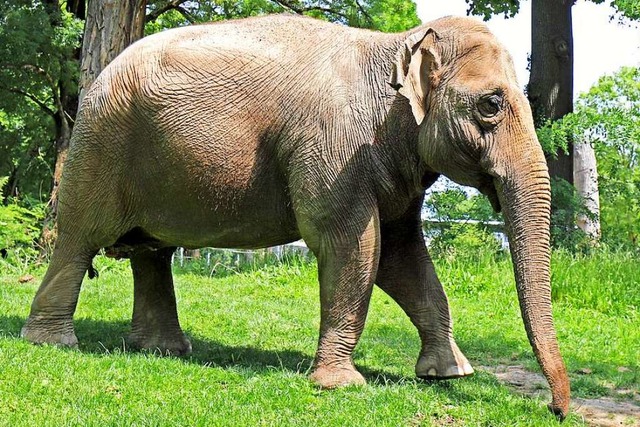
x=476 y=128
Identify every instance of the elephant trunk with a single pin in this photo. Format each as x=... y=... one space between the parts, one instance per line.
x=525 y=196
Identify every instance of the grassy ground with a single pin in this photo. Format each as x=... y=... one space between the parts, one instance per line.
x=254 y=335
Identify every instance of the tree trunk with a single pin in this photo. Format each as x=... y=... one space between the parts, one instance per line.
x=66 y=105
x=111 y=25
x=586 y=181
x=550 y=88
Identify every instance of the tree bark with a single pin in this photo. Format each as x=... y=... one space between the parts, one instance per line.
x=111 y=25
x=586 y=181
x=66 y=105
x=550 y=88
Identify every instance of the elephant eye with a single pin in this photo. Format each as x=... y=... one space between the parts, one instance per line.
x=490 y=105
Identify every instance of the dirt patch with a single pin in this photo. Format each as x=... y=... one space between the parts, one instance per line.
x=439 y=420
x=601 y=412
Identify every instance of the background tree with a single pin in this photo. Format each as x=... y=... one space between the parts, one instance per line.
x=608 y=118
x=39 y=43
x=41 y=80
x=382 y=15
x=110 y=26
x=550 y=87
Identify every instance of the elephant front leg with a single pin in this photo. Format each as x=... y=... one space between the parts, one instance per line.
x=155 y=323
x=407 y=274
x=347 y=267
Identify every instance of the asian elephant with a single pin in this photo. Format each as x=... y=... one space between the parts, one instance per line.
x=258 y=132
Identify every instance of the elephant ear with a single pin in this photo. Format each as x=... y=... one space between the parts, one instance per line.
x=414 y=72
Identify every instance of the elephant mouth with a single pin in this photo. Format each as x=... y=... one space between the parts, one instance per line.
x=488 y=188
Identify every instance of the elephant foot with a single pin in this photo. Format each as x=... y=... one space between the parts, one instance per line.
x=178 y=345
x=329 y=377
x=443 y=362
x=39 y=330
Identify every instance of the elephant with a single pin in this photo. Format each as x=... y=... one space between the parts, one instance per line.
x=256 y=132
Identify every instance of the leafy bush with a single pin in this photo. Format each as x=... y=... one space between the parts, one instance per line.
x=608 y=118
x=19 y=231
x=464 y=240
x=462 y=224
x=566 y=206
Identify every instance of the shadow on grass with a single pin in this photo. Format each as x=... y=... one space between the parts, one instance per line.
x=103 y=338
x=107 y=337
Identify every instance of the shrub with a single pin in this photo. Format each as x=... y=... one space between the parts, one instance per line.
x=462 y=228
x=19 y=232
x=608 y=118
x=464 y=240
x=566 y=206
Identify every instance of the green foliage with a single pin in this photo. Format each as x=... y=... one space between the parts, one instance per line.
x=36 y=61
x=18 y=228
x=463 y=240
x=566 y=206
x=454 y=204
x=19 y=231
x=461 y=228
x=624 y=9
x=489 y=8
x=393 y=15
x=608 y=118
x=204 y=11
x=554 y=137
x=383 y=15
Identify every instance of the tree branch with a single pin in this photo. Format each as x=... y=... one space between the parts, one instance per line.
x=301 y=10
x=29 y=67
x=52 y=85
x=33 y=98
x=364 y=12
x=189 y=17
x=171 y=5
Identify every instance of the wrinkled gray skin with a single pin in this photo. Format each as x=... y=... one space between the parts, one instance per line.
x=258 y=132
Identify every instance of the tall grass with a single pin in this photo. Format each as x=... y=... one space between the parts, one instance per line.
x=605 y=281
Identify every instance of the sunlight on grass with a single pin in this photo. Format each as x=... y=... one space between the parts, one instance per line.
x=254 y=336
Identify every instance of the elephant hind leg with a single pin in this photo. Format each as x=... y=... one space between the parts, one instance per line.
x=51 y=317
x=407 y=274
x=155 y=324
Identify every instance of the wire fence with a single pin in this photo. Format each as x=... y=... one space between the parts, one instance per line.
x=212 y=256
x=236 y=257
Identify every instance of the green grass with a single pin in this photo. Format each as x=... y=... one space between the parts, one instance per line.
x=254 y=335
